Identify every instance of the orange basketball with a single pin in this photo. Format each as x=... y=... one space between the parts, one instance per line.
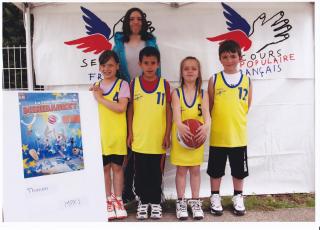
x=193 y=124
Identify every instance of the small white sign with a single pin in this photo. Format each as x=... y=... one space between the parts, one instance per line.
x=52 y=157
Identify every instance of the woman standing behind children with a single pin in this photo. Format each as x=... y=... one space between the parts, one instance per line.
x=112 y=96
x=127 y=45
x=189 y=101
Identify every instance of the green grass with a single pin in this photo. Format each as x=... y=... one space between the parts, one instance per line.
x=252 y=202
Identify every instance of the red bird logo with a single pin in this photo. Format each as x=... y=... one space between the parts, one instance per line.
x=98 y=31
x=273 y=30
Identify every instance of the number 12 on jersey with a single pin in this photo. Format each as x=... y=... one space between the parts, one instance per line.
x=241 y=92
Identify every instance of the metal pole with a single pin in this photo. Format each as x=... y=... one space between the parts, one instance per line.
x=27 y=20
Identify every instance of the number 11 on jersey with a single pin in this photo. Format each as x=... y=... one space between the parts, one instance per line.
x=160 y=96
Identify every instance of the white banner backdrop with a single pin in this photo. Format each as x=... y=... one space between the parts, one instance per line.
x=281 y=118
x=277 y=37
x=53 y=192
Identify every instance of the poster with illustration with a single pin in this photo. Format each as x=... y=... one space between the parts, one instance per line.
x=53 y=167
x=50 y=133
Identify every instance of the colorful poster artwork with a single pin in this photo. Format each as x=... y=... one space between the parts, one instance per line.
x=50 y=133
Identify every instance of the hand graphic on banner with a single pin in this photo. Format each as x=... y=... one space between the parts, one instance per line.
x=272 y=30
x=266 y=31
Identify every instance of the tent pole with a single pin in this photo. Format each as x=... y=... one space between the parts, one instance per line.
x=27 y=20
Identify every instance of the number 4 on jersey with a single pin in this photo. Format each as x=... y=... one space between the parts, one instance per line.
x=115 y=98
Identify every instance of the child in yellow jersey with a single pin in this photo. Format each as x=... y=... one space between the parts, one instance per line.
x=149 y=127
x=189 y=101
x=112 y=95
x=230 y=93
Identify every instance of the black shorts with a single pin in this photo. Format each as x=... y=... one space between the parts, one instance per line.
x=116 y=159
x=237 y=158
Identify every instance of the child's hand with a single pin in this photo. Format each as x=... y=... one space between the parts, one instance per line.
x=125 y=162
x=97 y=93
x=184 y=131
x=93 y=87
x=166 y=142
x=202 y=133
x=129 y=140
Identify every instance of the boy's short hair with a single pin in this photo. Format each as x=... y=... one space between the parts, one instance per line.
x=149 y=51
x=106 y=55
x=229 y=46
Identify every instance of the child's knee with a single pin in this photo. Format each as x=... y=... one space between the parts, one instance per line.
x=195 y=171
x=107 y=167
x=116 y=168
x=182 y=171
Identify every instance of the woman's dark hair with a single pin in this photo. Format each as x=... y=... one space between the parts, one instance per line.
x=145 y=35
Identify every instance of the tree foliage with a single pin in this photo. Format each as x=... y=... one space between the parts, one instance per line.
x=13 y=27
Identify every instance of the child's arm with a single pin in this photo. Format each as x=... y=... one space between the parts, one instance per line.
x=211 y=93
x=203 y=130
x=183 y=129
x=129 y=122
x=118 y=107
x=166 y=140
x=130 y=117
x=250 y=95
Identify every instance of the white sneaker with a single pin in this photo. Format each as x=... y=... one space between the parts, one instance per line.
x=196 y=209
x=216 y=207
x=110 y=209
x=142 y=211
x=238 y=205
x=156 y=211
x=119 y=209
x=181 y=209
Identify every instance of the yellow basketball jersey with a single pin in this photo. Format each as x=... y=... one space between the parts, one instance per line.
x=179 y=155
x=149 y=118
x=113 y=126
x=229 y=112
